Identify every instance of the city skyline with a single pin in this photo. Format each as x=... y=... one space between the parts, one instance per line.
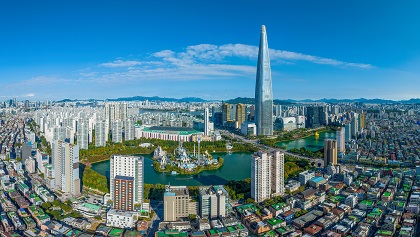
x=330 y=50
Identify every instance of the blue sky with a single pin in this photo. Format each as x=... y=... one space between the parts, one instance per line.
x=208 y=49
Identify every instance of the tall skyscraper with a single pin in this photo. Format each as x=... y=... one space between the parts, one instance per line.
x=206 y=122
x=65 y=162
x=361 y=122
x=126 y=181
x=263 y=89
x=240 y=114
x=267 y=175
x=330 y=152
x=225 y=113
x=341 y=142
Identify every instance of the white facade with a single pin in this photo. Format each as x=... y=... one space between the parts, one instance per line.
x=130 y=166
x=83 y=134
x=206 y=122
x=305 y=176
x=248 y=128
x=65 y=162
x=267 y=175
x=30 y=165
x=100 y=134
x=341 y=142
x=129 y=130
x=120 y=219
x=117 y=131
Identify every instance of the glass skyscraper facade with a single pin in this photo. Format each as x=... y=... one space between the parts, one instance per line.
x=263 y=89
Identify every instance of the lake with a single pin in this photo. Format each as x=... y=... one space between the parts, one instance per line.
x=236 y=166
x=310 y=143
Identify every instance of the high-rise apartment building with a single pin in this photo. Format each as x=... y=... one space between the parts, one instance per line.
x=341 y=142
x=354 y=125
x=347 y=132
x=330 y=152
x=100 y=133
x=65 y=162
x=116 y=131
x=263 y=89
x=206 y=122
x=175 y=203
x=129 y=130
x=115 y=111
x=83 y=134
x=126 y=181
x=267 y=175
x=240 y=114
x=214 y=201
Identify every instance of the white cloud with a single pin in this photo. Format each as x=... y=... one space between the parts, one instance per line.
x=121 y=63
x=29 y=95
x=201 y=62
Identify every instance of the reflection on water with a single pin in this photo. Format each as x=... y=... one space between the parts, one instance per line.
x=310 y=143
x=237 y=166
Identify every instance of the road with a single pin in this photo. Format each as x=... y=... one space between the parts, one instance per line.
x=264 y=147
x=157 y=207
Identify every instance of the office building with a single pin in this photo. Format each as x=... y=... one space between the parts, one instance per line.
x=330 y=152
x=175 y=203
x=214 y=201
x=341 y=142
x=263 y=89
x=361 y=122
x=315 y=117
x=249 y=128
x=240 y=114
x=278 y=110
x=117 y=131
x=30 y=165
x=100 y=133
x=225 y=113
x=65 y=163
x=267 y=175
x=126 y=181
x=26 y=151
x=129 y=130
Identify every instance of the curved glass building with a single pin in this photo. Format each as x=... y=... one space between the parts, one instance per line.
x=263 y=89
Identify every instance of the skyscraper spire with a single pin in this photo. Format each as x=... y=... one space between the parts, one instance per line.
x=263 y=89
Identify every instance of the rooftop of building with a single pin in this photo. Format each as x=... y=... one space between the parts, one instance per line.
x=176 y=191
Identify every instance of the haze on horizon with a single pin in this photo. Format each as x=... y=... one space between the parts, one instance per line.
x=96 y=50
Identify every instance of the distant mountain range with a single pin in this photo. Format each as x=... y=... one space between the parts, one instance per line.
x=246 y=100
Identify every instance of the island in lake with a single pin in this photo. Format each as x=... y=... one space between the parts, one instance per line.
x=183 y=161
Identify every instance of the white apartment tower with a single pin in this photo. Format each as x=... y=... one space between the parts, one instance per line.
x=206 y=122
x=83 y=134
x=129 y=130
x=267 y=175
x=341 y=142
x=100 y=134
x=126 y=168
x=65 y=162
x=117 y=131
